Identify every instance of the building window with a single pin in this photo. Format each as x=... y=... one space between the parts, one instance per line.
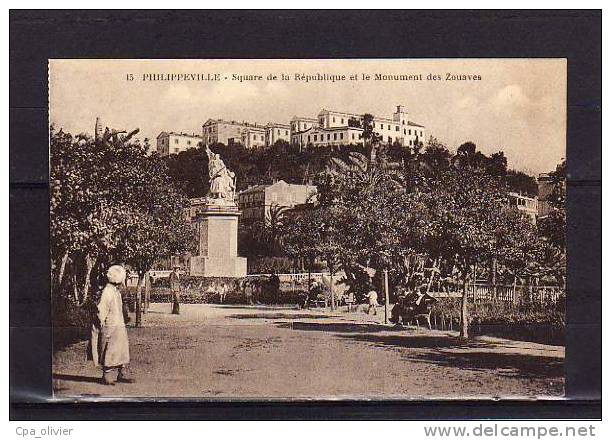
x=352 y=135
x=333 y=118
x=308 y=138
x=397 y=128
x=334 y=136
x=342 y=121
x=328 y=136
x=286 y=132
x=175 y=141
x=315 y=137
x=341 y=135
x=410 y=133
x=188 y=142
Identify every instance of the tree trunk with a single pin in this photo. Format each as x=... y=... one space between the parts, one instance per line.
x=310 y=264
x=331 y=289
x=464 y=312
x=89 y=263
x=493 y=270
x=147 y=292
x=139 y=301
x=513 y=292
x=75 y=287
x=62 y=268
x=430 y=283
x=386 y=295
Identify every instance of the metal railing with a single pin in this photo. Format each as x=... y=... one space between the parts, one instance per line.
x=504 y=293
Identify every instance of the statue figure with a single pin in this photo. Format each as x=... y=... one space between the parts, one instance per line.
x=222 y=180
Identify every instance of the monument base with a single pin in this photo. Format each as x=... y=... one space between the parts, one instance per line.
x=226 y=267
x=217 y=255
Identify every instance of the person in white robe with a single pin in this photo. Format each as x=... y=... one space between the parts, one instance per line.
x=109 y=341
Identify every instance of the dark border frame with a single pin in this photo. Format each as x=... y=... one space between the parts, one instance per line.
x=36 y=36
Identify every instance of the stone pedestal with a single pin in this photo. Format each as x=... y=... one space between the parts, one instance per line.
x=217 y=226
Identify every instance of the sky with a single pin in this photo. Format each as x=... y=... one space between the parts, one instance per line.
x=518 y=106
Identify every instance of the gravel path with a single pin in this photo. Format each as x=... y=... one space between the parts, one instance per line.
x=214 y=351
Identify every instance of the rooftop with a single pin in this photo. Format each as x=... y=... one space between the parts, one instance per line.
x=376 y=118
x=304 y=118
x=173 y=133
x=277 y=124
x=243 y=123
x=261 y=187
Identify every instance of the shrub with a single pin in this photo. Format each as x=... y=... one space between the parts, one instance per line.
x=543 y=322
x=71 y=322
x=270 y=264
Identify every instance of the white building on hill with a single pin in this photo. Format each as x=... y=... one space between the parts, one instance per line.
x=341 y=128
x=173 y=143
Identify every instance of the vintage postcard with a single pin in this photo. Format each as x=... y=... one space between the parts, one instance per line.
x=308 y=229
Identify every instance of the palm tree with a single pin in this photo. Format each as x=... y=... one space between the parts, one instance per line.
x=273 y=226
x=362 y=171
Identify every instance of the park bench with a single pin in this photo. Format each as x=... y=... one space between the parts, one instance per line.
x=426 y=314
x=409 y=310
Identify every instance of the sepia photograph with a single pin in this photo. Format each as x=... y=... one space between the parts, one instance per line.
x=247 y=229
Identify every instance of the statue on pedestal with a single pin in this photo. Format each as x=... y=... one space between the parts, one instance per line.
x=217 y=224
x=222 y=180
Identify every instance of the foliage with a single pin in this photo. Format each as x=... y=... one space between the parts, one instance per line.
x=521 y=183
x=189 y=171
x=110 y=203
x=264 y=264
x=471 y=225
x=543 y=323
x=370 y=137
x=553 y=227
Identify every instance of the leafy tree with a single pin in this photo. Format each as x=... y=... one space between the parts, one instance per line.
x=521 y=182
x=89 y=181
x=370 y=137
x=188 y=171
x=465 y=207
x=365 y=194
x=354 y=122
x=300 y=235
x=553 y=226
x=158 y=228
x=436 y=157
x=110 y=201
x=316 y=232
x=557 y=197
x=497 y=164
x=467 y=156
